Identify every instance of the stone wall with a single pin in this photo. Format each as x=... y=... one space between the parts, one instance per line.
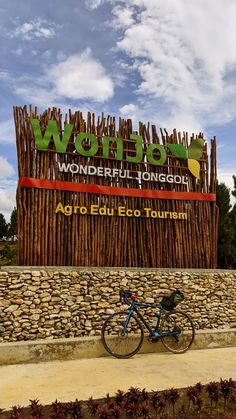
x=46 y=303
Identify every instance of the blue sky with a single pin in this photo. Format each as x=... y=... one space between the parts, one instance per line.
x=170 y=62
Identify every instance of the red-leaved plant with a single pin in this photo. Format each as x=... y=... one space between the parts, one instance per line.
x=120 y=397
x=36 y=409
x=74 y=409
x=116 y=411
x=104 y=412
x=171 y=396
x=145 y=411
x=158 y=402
x=226 y=387
x=58 y=410
x=16 y=412
x=131 y=409
x=194 y=395
x=213 y=391
x=92 y=407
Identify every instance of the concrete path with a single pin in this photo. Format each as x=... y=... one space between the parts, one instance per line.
x=68 y=380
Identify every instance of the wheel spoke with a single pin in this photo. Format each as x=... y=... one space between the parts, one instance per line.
x=118 y=344
x=181 y=330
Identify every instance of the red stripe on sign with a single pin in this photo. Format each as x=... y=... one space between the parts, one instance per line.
x=29 y=182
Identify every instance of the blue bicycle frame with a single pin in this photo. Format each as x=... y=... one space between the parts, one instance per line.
x=154 y=333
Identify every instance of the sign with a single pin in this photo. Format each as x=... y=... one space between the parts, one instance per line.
x=93 y=193
x=121 y=173
x=191 y=154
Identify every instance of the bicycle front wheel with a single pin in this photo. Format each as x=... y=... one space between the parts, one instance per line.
x=178 y=332
x=122 y=340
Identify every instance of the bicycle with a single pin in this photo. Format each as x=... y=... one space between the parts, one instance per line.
x=123 y=332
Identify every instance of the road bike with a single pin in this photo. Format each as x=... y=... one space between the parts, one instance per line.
x=123 y=332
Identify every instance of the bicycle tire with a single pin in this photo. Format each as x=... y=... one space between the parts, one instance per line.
x=122 y=346
x=182 y=323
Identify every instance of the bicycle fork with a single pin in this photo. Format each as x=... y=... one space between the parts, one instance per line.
x=123 y=332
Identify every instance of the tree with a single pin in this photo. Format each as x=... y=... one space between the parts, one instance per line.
x=12 y=229
x=3 y=226
x=225 y=233
x=233 y=227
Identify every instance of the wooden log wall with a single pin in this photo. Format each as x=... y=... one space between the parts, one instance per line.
x=49 y=239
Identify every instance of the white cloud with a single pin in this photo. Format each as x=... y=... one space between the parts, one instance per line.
x=7 y=201
x=6 y=169
x=35 y=29
x=130 y=111
x=127 y=109
x=93 y=4
x=123 y=17
x=181 y=120
x=35 y=94
x=77 y=77
x=226 y=176
x=82 y=77
x=7 y=188
x=185 y=54
x=7 y=132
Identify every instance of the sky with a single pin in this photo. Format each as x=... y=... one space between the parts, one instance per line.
x=170 y=62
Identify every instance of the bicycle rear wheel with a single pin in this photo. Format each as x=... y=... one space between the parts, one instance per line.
x=120 y=343
x=181 y=326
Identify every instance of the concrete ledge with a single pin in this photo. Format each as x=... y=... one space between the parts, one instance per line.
x=91 y=347
x=14 y=268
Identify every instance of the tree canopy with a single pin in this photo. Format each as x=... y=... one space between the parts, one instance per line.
x=226 y=227
x=3 y=227
x=12 y=226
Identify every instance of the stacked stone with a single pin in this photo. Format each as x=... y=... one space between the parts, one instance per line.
x=39 y=304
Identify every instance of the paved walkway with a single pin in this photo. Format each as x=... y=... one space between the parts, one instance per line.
x=68 y=380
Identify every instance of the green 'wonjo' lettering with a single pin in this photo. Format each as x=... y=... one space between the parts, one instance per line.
x=136 y=156
x=42 y=142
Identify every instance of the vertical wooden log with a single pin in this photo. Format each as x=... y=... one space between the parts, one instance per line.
x=138 y=241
